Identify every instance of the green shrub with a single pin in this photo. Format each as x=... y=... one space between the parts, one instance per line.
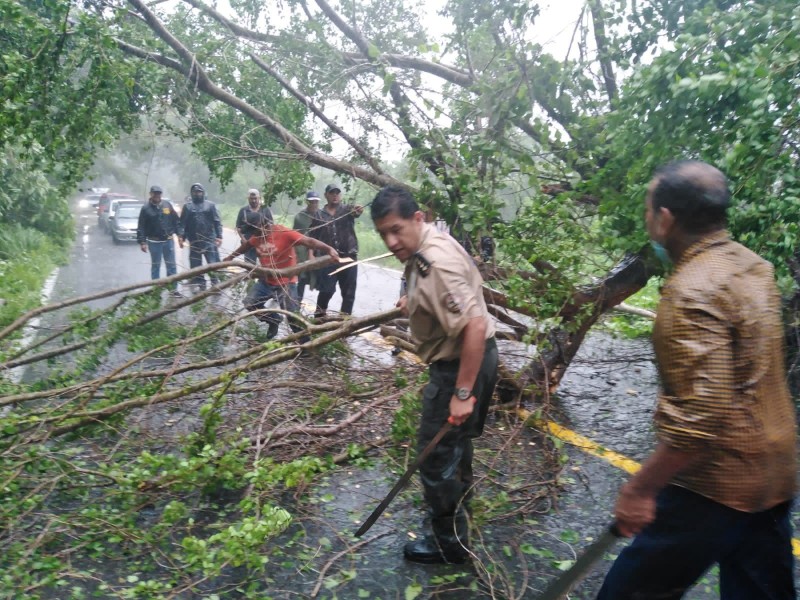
x=27 y=257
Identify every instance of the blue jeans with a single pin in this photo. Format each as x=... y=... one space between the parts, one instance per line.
x=690 y=534
x=165 y=249
x=199 y=249
x=286 y=297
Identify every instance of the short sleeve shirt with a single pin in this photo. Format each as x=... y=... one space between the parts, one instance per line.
x=445 y=298
x=276 y=251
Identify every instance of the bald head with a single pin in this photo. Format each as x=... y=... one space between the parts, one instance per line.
x=694 y=192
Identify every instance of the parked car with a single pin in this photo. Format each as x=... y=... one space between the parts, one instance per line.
x=89 y=201
x=92 y=198
x=104 y=207
x=124 y=220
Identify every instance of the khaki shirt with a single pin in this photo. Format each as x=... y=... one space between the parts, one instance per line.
x=445 y=299
x=718 y=340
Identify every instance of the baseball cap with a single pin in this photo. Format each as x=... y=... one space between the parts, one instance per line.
x=197 y=186
x=333 y=186
x=154 y=189
x=310 y=196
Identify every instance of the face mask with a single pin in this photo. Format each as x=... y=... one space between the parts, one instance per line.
x=661 y=253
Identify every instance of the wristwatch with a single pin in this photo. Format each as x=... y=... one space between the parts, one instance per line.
x=463 y=393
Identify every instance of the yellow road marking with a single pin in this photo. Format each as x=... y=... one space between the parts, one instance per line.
x=590 y=447
x=581 y=442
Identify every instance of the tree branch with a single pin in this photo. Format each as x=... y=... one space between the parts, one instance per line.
x=360 y=150
x=600 y=38
x=197 y=75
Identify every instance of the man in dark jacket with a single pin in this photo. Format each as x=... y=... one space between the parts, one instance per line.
x=243 y=226
x=334 y=225
x=202 y=226
x=303 y=222
x=158 y=222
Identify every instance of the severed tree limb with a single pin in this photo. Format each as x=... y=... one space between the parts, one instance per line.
x=270 y=357
x=188 y=66
x=326 y=430
x=164 y=282
x=578 y=316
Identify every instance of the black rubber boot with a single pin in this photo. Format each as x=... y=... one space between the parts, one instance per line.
x=448 y=544
x=428 y=551
x=297 y=327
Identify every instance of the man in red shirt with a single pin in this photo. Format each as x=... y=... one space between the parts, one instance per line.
x=275 y=250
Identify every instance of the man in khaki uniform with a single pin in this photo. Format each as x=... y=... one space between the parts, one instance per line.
x=455 y=335
x=719 y=485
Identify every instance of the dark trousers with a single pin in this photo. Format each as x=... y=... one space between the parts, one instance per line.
x=326 y=284
x=689 y=535
x=199 y=249
x=447 y=472
x=250 y=255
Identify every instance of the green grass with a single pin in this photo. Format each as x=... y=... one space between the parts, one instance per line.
x=631 y=326
x=27 y=257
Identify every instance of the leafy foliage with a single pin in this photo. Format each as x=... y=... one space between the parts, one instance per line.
x=64 y=92
x=726 y=95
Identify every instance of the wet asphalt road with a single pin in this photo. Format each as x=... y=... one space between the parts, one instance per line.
x=607 y=396
x=98 y=264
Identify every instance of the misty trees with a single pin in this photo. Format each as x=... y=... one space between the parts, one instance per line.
x=64 y=92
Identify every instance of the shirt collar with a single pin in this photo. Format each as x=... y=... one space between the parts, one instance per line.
x=708 y=241
x=427 y=232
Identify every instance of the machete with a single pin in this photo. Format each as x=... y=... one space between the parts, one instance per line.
x=567 y=580
x=403 y=480
x=358 y=262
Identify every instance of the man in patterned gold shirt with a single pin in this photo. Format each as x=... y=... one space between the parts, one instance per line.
x=718 y=487
x=454 y=333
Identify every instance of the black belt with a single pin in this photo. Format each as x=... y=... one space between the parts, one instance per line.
x=454 y=363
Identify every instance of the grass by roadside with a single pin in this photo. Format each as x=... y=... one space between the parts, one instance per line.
x=27 y=257
x=632 y=326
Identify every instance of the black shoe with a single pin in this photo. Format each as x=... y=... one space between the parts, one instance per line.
x=427 y=551
x=272 y=330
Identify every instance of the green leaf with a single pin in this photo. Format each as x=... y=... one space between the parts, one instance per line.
x=412 y=591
